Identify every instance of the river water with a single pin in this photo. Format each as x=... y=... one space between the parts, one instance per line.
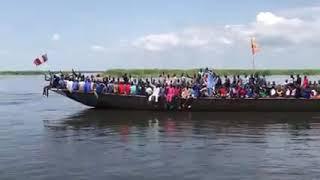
x=56 y=138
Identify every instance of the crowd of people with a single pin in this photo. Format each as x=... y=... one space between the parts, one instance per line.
x=205 y=83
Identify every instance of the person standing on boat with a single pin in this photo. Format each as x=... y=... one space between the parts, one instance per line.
x=305 y=82
x=210 y=83
x=298 y=82
x=291 y=80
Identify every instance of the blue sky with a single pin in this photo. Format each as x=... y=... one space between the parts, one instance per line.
x=98 y=35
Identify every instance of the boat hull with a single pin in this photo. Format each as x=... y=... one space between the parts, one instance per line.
x=112 y=101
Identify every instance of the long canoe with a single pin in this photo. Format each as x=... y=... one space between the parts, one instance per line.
x=208 y=104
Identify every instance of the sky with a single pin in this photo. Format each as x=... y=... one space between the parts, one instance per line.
x=100 y=35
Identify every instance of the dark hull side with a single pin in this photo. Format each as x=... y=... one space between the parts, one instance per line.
x=111 y=101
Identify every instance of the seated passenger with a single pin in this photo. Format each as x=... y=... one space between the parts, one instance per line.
x=87 y=86
x=110 y=88
x=314 y=93
x=170 y=94
x=280 y=92
x=149 y=91
x=293 y=92
x=306 y=93
x=62 y=84
x=273 y=92
x=223 y=92
x=115 y=88
x=75 y=85
x=185 y=93
x=242 y=92
x=100 y=88
x=162 y=91
x=127 y=89
x=288 y=92
x=195 y=91
x=81 y=86
x=121 y=89
x=250 y=93
x=69 y=85
x=133 y=89
x=155 y=94
x=263 y=93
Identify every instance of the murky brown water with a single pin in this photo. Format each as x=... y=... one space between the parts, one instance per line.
x=56 y=138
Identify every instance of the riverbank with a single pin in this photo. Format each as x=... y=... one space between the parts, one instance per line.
x=21 y=73
x=156 y=72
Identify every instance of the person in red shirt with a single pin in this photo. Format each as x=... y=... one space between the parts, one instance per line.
x=127 y=89
x=121 y=88
x=305 y=82
x=223 y=91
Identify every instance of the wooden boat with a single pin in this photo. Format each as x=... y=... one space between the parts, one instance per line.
x=208 y=104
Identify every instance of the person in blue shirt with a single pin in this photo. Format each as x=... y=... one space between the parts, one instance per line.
x=87 y=86
x=306 y=93
x=196 y=90
x=100 y=88
x=211 y=83
x=75 y=85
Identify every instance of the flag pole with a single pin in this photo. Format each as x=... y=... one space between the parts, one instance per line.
x=253 y=62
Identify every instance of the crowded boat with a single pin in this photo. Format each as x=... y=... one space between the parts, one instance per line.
x=204 y=84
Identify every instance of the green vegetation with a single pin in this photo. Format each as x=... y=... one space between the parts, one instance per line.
x=21 y=73
x=156 y=72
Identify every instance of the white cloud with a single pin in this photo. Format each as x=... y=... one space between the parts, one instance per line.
x=188 y=38
x=98 y=48
x=55 y=37
x=295 y=34
x=157 y=42
x=269 y=19
x=271 y=30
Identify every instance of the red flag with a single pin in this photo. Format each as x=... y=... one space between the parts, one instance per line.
x=40 y=60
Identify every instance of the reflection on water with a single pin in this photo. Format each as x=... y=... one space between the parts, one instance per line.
x=217 y=121
x=56 y=138
x=187 y=145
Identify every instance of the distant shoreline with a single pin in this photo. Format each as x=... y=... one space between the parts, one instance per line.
x=156 y=72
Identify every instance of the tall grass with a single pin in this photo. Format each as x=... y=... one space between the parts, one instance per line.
x=157 y=72
x=178 y=72
x=21 y=72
